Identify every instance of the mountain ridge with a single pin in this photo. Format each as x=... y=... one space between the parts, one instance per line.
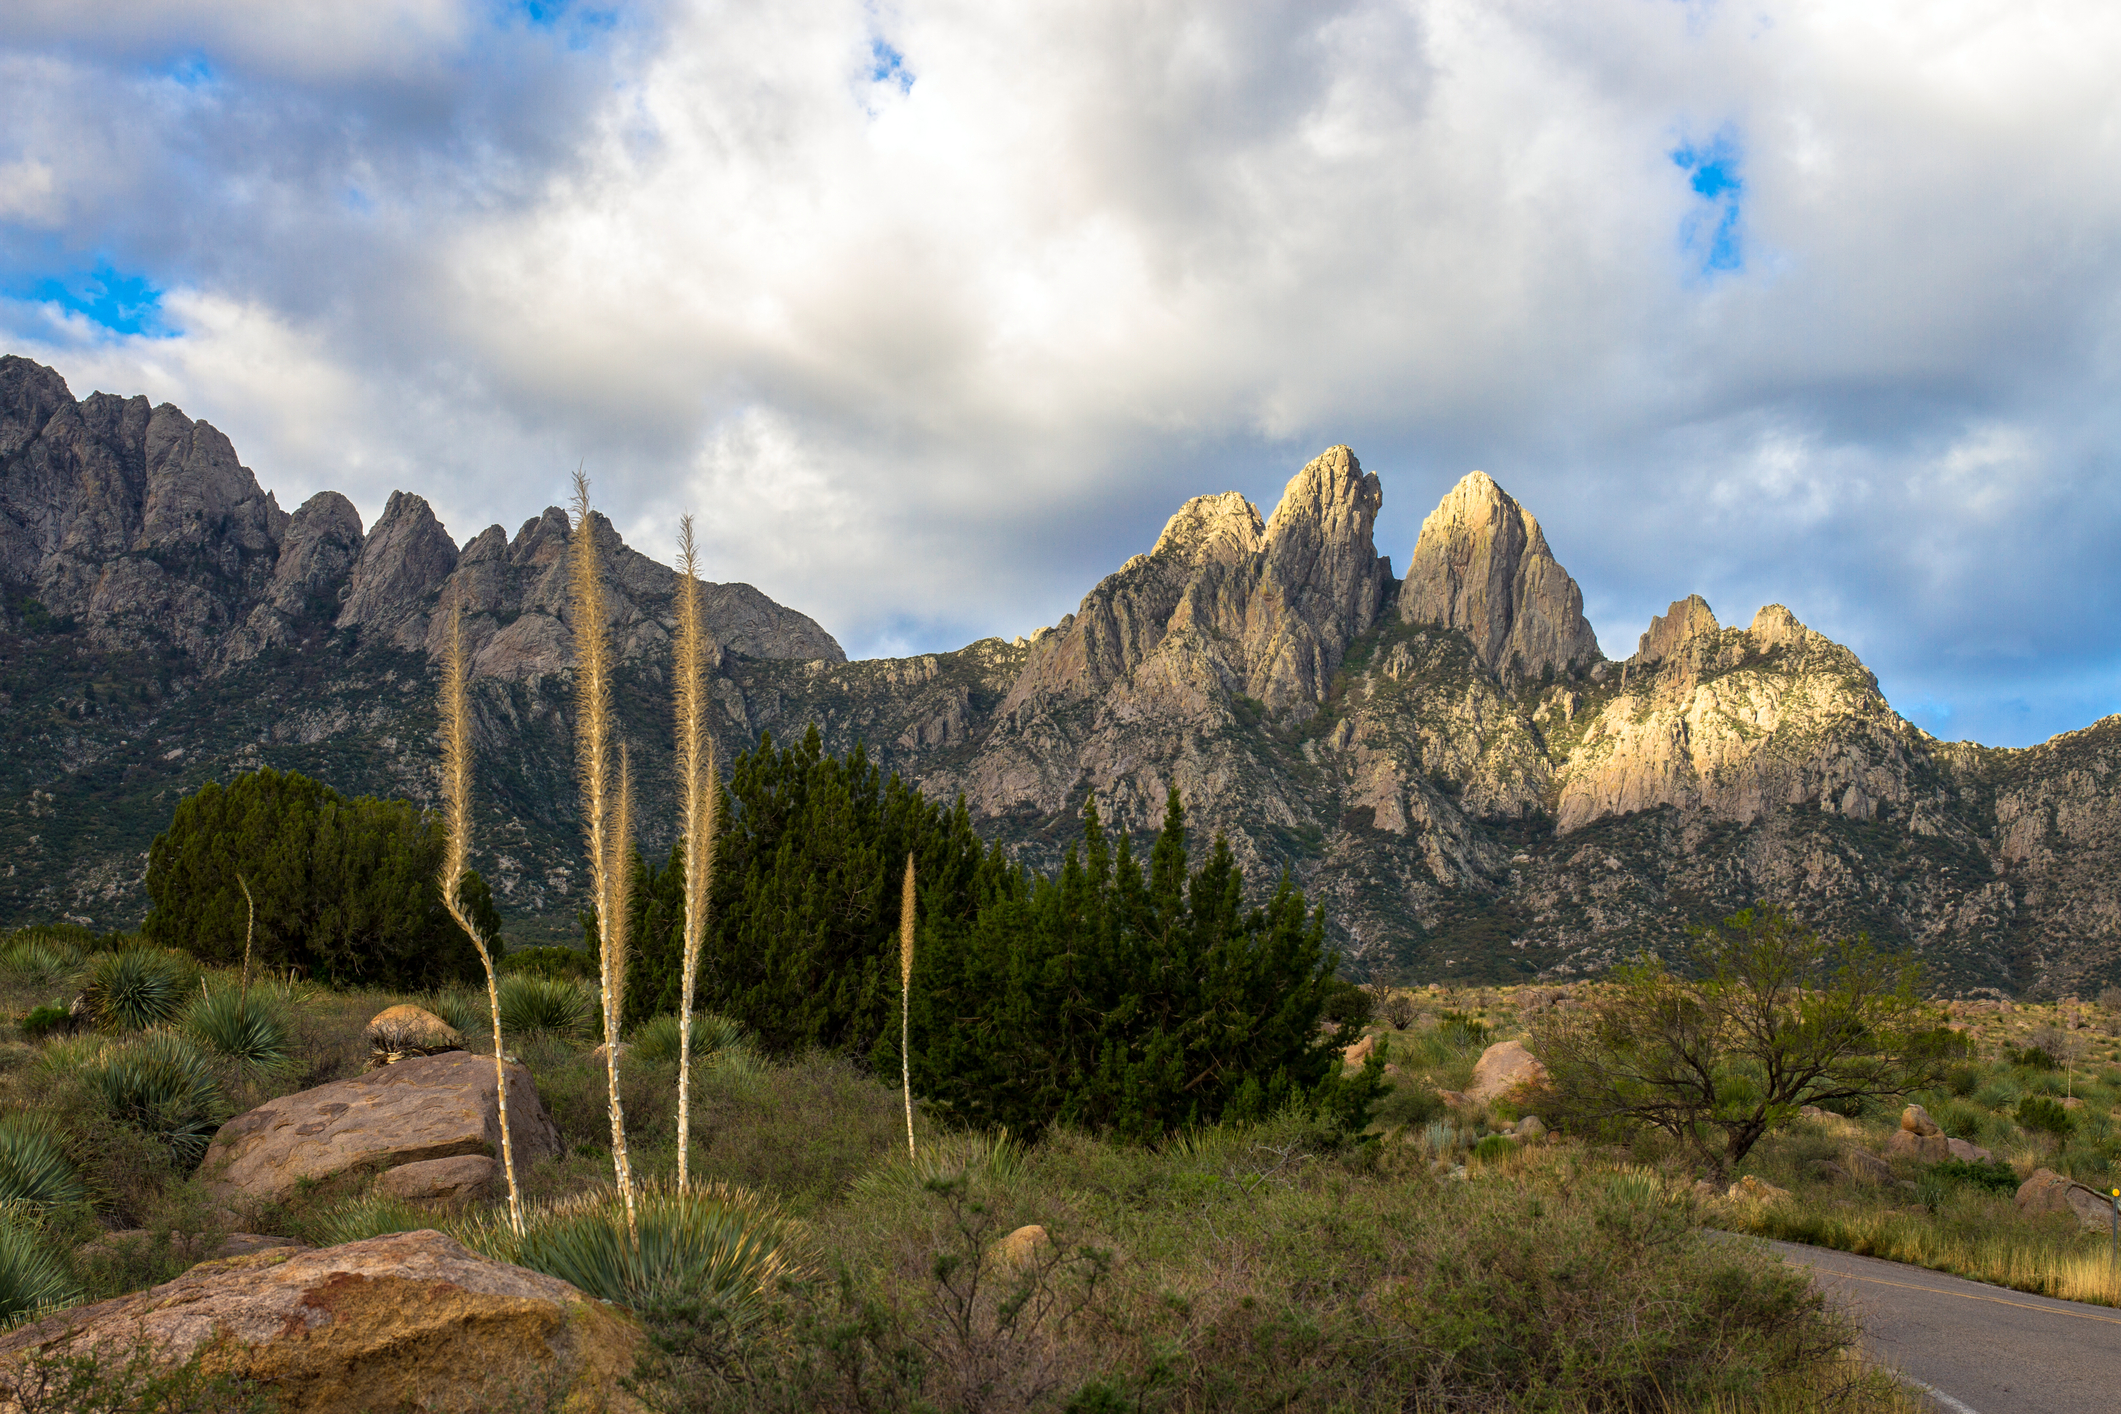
x=1446 y=760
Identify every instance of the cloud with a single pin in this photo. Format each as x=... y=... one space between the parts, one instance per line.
x=934 y=310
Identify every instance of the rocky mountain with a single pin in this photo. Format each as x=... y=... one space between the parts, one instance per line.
x=1446 y=761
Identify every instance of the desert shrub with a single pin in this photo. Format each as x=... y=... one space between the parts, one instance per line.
x=38 y=960
x=1461 y=1033
x=136 y=988
x=1350 y=1005
x=1995 y=1176
x=469 y=1012
x=51 y=1019
x=246 y=1029
x=31 y=1277
x=161 y=1084
x=1409 y=1103
x=2032 y=1058
x=714 y=1038
x=1494 y=1148
x=1962 y=1080
x=1399 y=1011
x=564 y=963
x=2040 y=1112
x=34 y=1168
x=543 y=1006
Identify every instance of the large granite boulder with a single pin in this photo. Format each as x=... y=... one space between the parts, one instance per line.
x=1505 y=1068
x=2049 y=1192
x=424 y=1107
x=414 y=1320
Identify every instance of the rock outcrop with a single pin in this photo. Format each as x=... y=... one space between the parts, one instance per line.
x=414 y=1320
x=422 y=1108
x=1482 y=566
x=2045 y=1191
x=1505 y=1069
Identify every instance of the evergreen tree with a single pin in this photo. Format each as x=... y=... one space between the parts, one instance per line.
x=345 y=889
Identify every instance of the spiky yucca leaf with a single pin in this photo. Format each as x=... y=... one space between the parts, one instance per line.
x=32 y=1278
x=544 y=1006
x=714 y=1038
x=161 y=1083
x=34 y=1167
x=246 y=1029
x=39 y=961
x=136 y=988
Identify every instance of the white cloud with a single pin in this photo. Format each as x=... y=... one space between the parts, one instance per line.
x=935 y=354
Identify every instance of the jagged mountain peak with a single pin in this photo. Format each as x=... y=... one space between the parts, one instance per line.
x=1686 y=620
x=1482 y=565
x=1223 y=529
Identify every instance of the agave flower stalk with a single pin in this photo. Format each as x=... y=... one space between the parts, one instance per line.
x=456 y=822
x=905 y=998
x=250 y=924
x=593 y=735
x=698 y=791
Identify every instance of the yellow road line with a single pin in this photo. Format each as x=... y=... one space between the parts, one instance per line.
x=1967 y=1295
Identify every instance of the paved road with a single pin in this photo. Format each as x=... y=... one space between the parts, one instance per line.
x=1977 y=1349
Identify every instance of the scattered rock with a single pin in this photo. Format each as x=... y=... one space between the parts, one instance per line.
x=1826 y=1171
x=1531 y=1129
x=424 y=1107
x=1456 y=1099
x=1866 y=1166
x=400 y=1031
x=1916 y=1120
x=2049 y=1192
x=1755 y=1190
x=1971 y=1153
x=1705 y=1189
x=1356 y=1054
x=1020 y=1248
x=1503 y=1069
x=459 y=1179
x=411 y=1320
x=2071 y=1102
x=1929 y=1148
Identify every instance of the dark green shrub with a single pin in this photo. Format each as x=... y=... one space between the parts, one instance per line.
x=162 y=1085
x=1461 y=1032
x=1349 y=1005
x=2040 y=1112
x=136 y=988
x=1409 y=1103
x=1493 y=1148
x=2032 y=1058
x=34 y=1166
x=51 y=1019
x=1993 y=1175
x=657 y=1038
x=243 y=1028
x=1962 y=1080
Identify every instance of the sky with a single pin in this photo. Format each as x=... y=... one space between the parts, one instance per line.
x=932 y=313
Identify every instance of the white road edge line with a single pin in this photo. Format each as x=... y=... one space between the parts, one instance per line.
x=1951 y=1404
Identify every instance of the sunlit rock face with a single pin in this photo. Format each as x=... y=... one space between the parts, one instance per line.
x=1482 y=566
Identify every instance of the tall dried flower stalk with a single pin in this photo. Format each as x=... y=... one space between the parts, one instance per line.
x=456 y=822
x=250 y=926
x=905 y=998
x=698 y=792
x=603 y=820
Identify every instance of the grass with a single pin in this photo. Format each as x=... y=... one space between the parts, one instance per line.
x=1438 y=1265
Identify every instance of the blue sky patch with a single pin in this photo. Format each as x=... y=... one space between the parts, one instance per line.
x=1710 y=231
x=120 y=303
x=887 y=65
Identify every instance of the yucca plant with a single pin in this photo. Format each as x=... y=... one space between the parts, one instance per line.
x=33 y=1166
x=698 y=790
x=136 y=988
x=456 y=860
x=32 y=1278
x=544 y=1006
x=161 y=1083
x=240 y=1026
x=466 y=1013
x=716 y=1038
x=39 y=961
x=604 y=811
x=715 y=1244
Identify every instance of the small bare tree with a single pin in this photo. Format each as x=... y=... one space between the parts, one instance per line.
x=698 y=792
x=604 y=810
x=456 y=856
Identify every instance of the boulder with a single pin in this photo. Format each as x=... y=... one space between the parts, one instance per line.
x=1971 y=1153
x=1928 y=1148
x=400 y=1031
x=1755 y=1190
x=1503 y=1069
x=1021 y=1247
x=2049 y=1192
x=1456 y=1099
x=1356 y=1054
x=414 y=1320
x=1916 y=1120
x=1866 y=1167
x=424 y=1107
x=464 y=1177
x=1531 y=1129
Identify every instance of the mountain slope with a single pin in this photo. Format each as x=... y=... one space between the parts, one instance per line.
x=1447 y=762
